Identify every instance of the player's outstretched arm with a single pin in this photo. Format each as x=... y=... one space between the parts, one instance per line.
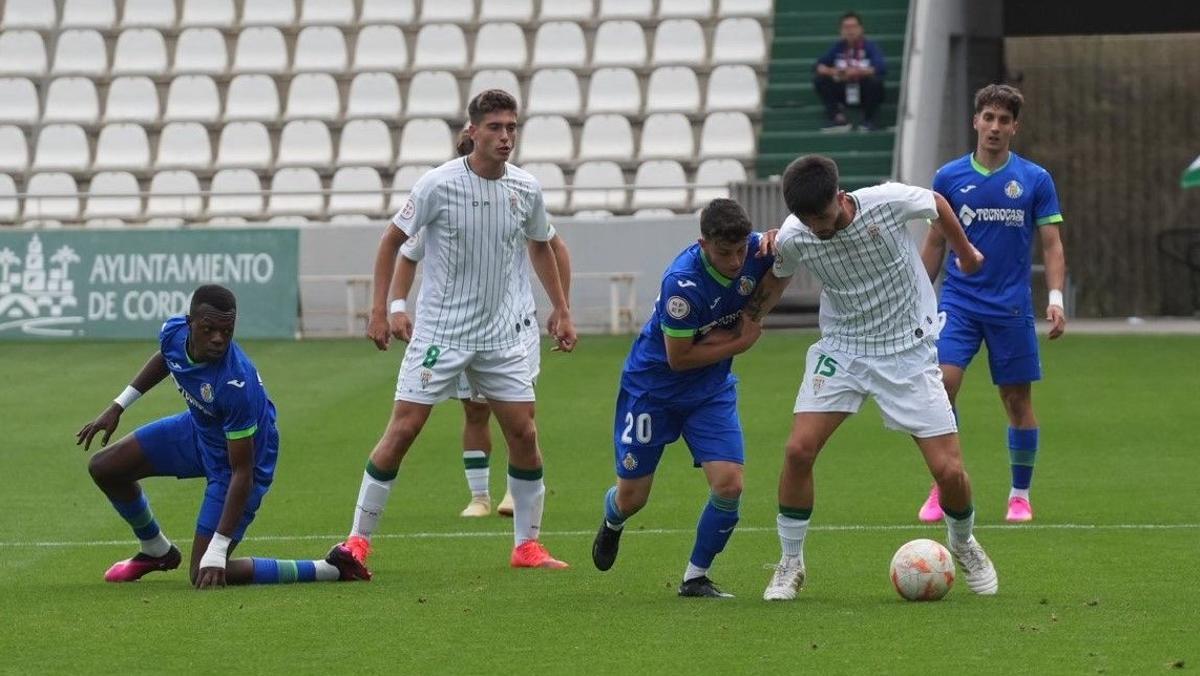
x=152 y=373
x=933 y=252
x=541 y=256
x=1056 y=276
x=241 y=461
x=685 y=353
x=969 y=258
x=385 y=264
x=766 y=296
x=399 y=321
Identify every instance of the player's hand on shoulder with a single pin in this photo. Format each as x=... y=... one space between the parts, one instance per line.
x=378 y=331
x=971 y=264
x=401 y=326
x=107 y=422
x=210 y=578
x=766 y=243
x=1058 y=321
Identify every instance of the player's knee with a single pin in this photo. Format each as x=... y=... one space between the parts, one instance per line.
x=949 y=471
x=800 y=454
x=476 y=414
x=1018 y=404
x=728 y=486
x=100 y=469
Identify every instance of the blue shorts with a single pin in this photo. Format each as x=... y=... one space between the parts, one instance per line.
x=174 y=448
x=643 y=426
x=1011 y=343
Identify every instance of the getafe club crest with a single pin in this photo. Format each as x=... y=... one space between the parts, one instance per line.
x=629 y=462
x=677 y=307
x=206 y=393
x=745 y=285
x=1013 y=189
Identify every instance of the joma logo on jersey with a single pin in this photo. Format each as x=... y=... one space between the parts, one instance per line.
x=1013 y=218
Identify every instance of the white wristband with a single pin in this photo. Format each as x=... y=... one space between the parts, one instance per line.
x=1056 y=298
x=126 y=398
x=399 y=305
x=217 y=552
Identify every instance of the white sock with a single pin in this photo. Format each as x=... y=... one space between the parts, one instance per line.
x=1018 y=493
x=158 y=545
x=693 y=571
x=326 y=572
x=477 y=477
x=529 y=499
x=791 y=536
x=960 y=529
x=372 y=498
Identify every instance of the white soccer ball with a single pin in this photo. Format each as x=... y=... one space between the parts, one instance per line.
x=922 y=570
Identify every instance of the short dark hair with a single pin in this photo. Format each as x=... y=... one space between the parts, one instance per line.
x=1002 y=96
x=724 y=220
x=216 y=296
x=465 y=143
x=809 y=184
x=850 y=15
x=490 y=101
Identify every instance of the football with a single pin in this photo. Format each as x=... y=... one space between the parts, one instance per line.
x=922 y=570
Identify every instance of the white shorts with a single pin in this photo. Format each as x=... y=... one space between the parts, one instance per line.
x=906 y=386
x=531 y=339
x=430 y=374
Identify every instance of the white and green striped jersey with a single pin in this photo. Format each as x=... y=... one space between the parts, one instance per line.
x=877 y=299
x=474 y=231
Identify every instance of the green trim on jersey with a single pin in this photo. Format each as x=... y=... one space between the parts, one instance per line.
x=1052 y=219
x=988 y=172
x=677 y=333
x=721 y=279
x=241 y=434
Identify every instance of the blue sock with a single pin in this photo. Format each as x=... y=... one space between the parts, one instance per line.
x=612 y=515
x=283 y=571
x=1022 y=453
x=716 y=524
x=138 y=515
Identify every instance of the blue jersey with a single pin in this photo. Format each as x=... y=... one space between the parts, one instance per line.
x=226 y=400
x=1000 y=211
x=694 y=299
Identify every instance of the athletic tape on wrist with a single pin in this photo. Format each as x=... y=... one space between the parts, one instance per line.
x=126 y=398
x=399 y=305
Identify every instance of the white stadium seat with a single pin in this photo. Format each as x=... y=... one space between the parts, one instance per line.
x=614 y=90
x=546 y=138
x=679 y=41
x=320 y=48
x=224 y=199
x=20 y=101
x=592 y=214
x=51 y=195
x=606 y=137
x=14 y=150
x=122 y=146
x=657 y=184
x=554 y=91
x=208 y=13
x=9 y=207
x=148 y=14
x=685 y=9
x=313 y=95
x=63 y=147
x=99 y=14
x=733 y=88
x=80 y=52
x=425 y=142
x=131 y=99
x=520 y=11
x=619 y=43
x=559 y=43
x=260 y=50
x=654 y=212
x=140 y=51
x=403 y=181
x=572 y=10
x=373 y=95
x=626 y=9
x=252 y=97
x=381 y=48
x=22 y=52
x=433 y=93
x=305 y=143
x=183 y=145
x=398 y=12
x=296 y=191
x=667 y=136
x=739 y=41
x=597 y=185
x=758 y=8
x=193 y=98
x=673 y=89
x=327 y=12
x=200 y=50
x=500 y=45
x=72 y=99
x=365 y=143
x=440 y=46
x=727 y=135
x=231 y=221
x=244 y=144
x=495 y=79
x=356 y=190
x=717 y=174
x=174 y=194
x=448 y=11
x=550 y=177
x=278 y=13
x=113 y=194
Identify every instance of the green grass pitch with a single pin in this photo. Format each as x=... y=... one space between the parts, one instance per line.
x=1103 y=581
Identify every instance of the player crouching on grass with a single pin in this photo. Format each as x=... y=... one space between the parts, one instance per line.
x=227 y=435
x=677 y=381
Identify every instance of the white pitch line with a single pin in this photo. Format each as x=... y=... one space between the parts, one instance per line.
x=656 y=531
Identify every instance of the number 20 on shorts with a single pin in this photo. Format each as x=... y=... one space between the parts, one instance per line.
x=639 y=426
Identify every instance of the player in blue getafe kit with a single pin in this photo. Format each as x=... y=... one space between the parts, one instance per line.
x=227 y=435
x=677 y=381
x=1003 y=201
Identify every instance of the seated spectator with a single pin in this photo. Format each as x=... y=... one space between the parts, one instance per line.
x=850 y=74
